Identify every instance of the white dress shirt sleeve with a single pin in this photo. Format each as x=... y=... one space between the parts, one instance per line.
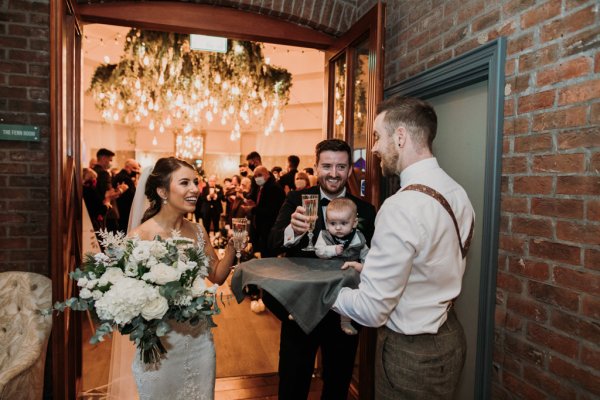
x=289 y=237
x=323 y=250
x=397 y=239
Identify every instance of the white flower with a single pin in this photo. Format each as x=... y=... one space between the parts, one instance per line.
x=131 y=268
x=101 y=258
x=158 y=249
x=91 y=283
x=198 y=287
x=96 y=294
x=112 y=275
x=155 y=308
x=85 y=293
x=142 y=251
x=102 y=282
x=92 y=276
x=161 y=274
x=124 y=300
x=185 y=265
x=82 y=282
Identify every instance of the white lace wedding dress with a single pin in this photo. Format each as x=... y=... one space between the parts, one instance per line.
x=187 y=371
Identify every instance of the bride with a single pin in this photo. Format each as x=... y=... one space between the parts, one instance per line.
x=187 y=371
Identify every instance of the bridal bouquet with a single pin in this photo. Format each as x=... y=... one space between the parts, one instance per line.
x=138 y=286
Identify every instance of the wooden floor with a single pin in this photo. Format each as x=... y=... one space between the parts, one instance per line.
x=247 y=347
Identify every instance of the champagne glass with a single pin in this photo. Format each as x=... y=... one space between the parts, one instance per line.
x=310 y=202
x=240 y=236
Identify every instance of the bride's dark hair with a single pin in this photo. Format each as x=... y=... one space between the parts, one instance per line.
x=161 y=178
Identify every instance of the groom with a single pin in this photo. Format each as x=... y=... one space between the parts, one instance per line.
x=298 y=350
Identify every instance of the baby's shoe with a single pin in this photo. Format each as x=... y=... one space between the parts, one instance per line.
x=254 y=306
x=261 y=305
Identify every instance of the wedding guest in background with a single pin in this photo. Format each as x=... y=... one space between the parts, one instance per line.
x=244 y=170
x=287 y=180
x=276 y=172
x=415 y=267
x=269 y=200
x=96 y=206
x=298 y=350
x=201 y=186
x=311 y=175
x=254 y=160
x=229 y=197
x=212 y=196
x=242 y=205
x=126 y=176
x=301 y=180
x=105 y=189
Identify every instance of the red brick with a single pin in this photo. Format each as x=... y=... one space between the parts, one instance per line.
x=512 y=244
x=509 y=107
x=507 y=30
x=593 y=210
x=533 y=184
x=509 y=67
x=13 y=42
x=581 y=42
x=466 y=12
x=16 y=67
x=519 y=84
x=572 y=372
x=514 y=204
x=553 y=251
x=579 y=93
x=595 y=117
x=553 y=295
x=538 y=58
x=519 y=44
x=514 y=7
x=13 y=243
x=521 y=349
x=560 y=208
x=564 y=71
x=514 y=165
x=515 y=126
x=28 y=81
x=531 y=269
x=548 y=383
x=532 y=226
x=578 y=185
x=581 y=280
x=565 y=163
x=509 y=283
x=12 y=218
x=571 y=117
x=536 y=101
x=520 y=388
x=581 y=233
x=591 y=357
x=575 y=325
x=552 y=340
x=533 y=143
x=591 y=306
x=579 y=138
x=527 y=307
x=592 y=259
x=568 y=24
x=594 y=165
x=597 y=63
x=485 y=21
x=513 y=323
x=540 y=14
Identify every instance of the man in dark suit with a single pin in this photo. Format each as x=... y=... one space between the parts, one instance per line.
x=212 y=206
x=287 y=180
x=269 y=200
x=298 y=350
x=127 y=175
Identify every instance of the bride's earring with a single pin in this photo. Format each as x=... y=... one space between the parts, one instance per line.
x=164 y=201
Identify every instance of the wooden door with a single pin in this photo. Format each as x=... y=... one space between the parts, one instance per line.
x=354 y=87
x=65 y=192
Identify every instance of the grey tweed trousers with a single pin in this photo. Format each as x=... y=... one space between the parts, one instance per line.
x=420 y=367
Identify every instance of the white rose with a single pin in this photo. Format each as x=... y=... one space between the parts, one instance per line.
x=131 y=268
x=82 y=282
x=158 y=249
x=161 y=274
x=155 y=308
x=85 y=293
x=96 y=294
x=101 y=258
x=113 y=275
x=102 y=282
x=141 y=252
x=91 y=283
x=198 y=287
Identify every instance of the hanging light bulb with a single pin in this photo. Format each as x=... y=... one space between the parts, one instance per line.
x=281 y=129
x=154 y=141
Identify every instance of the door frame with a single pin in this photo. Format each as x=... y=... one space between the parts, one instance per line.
x=162 y=16
x=484 y=63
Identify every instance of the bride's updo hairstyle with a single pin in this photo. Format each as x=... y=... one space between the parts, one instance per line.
x=161 y=178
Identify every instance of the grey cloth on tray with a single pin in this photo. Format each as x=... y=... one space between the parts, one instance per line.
x=306 y=287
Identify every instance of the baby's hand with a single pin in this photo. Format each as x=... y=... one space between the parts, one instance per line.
x=339 y=249
x=354 y=264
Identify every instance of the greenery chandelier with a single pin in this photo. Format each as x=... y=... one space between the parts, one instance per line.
x=161 y=82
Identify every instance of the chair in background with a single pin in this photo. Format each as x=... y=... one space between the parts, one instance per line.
x=24 y=334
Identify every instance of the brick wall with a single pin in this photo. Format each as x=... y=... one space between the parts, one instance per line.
x=548 y=296
x=24 y=99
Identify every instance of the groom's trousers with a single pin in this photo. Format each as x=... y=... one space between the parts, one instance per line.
x=297 y=355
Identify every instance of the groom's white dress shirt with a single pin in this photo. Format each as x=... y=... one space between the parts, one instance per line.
x=414 y=268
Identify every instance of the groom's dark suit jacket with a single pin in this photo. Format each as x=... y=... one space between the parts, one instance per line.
x=366 y=215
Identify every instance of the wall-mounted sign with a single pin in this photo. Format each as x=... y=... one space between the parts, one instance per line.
x=208 y=43
x=28 y=133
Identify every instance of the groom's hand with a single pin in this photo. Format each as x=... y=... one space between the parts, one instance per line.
x=299 y=221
